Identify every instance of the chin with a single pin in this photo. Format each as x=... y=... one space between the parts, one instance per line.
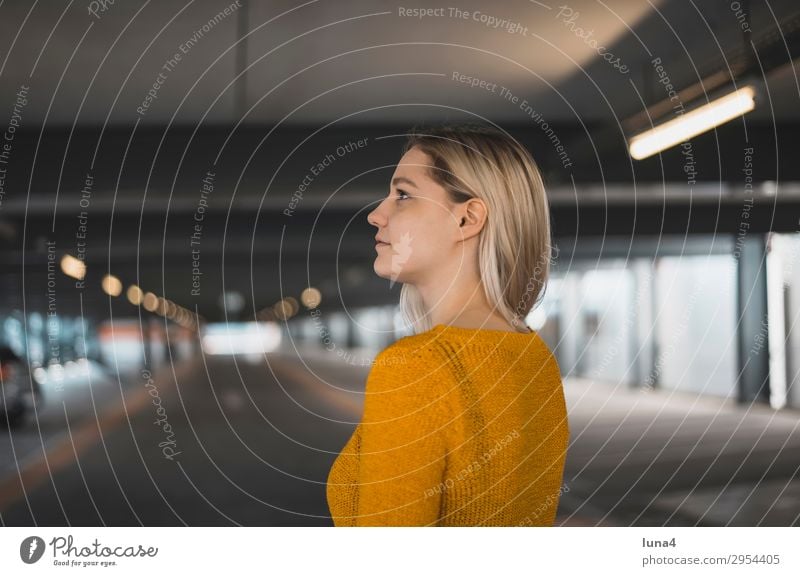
x=385 y=275
x=381 y=272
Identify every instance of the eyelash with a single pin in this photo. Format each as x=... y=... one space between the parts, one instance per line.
x=403 y=192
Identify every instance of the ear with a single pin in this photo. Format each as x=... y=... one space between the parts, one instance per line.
x=471 y=217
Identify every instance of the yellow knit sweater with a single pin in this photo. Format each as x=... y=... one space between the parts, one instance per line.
x=461 y=427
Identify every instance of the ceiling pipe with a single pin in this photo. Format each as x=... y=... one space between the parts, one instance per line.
x=751 y=62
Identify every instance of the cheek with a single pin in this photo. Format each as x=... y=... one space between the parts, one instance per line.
x=428 y=237
x=423 y=225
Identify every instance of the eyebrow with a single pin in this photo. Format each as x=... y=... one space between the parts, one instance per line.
x=399 y=179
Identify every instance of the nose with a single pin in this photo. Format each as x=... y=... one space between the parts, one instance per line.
x=377 y=217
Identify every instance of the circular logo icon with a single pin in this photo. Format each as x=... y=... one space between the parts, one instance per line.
x=31 y=549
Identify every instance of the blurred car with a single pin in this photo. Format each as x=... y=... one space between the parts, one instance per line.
x=17 y=392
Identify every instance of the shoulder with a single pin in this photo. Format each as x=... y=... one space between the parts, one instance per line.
x=414 y=365
x=543 y=361
x=416 y=353
x=550 y=361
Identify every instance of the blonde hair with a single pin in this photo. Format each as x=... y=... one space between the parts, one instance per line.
x=514 y=245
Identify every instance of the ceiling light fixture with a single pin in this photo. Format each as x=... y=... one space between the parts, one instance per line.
x=692 y=123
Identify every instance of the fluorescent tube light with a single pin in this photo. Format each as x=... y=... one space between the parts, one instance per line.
x=692 y=123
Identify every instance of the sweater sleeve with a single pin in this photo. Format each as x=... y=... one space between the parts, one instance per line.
x=403 y=446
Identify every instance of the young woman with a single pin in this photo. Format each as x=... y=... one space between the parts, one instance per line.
x=464 y=422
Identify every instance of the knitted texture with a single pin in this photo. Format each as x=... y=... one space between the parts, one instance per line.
x=461 y=427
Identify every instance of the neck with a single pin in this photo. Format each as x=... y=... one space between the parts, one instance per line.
x=459 y=300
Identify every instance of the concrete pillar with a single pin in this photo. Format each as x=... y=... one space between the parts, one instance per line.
x=751 y=308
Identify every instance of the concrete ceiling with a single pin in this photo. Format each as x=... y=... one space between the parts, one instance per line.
x=371 y=72
x=361 y=61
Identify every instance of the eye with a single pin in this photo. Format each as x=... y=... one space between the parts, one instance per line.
x=402 y=195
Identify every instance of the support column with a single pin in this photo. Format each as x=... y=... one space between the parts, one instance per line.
x=751 y=311
x=644 y=329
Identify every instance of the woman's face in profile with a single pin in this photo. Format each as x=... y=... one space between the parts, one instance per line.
x=415 y=222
